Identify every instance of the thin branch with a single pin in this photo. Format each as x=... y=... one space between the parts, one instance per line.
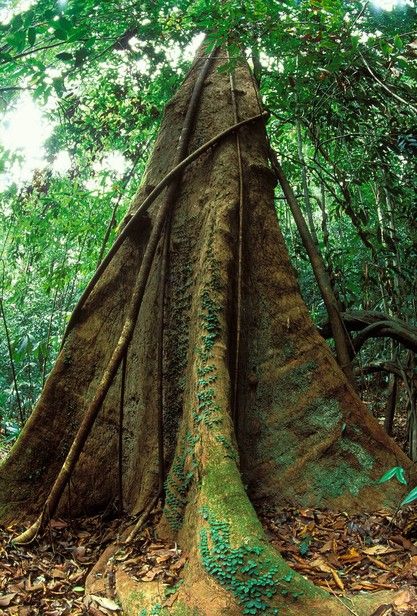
x=13 y=89
x=120 y=434
x=393 y=94
x=341 y=137
x=11 y=360
x=31 y=51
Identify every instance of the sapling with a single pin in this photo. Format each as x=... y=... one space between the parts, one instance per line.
x=399 y=474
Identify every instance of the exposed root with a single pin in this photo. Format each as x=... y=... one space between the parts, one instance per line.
x=142 y=520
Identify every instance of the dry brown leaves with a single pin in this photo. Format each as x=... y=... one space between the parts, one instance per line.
x=366 y=552
x=149 y=559
x=336 y=551
x=47 y=577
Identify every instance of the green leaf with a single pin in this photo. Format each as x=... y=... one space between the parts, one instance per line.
x=49 y=14
x=80 y=56
x=411 y=496
x=16 y=23
x=31 y=36
x=58 y=85
x=397 y=472
x=28 y=19
x=62 y=28
x=64 y=55
x=398 y=42
x=65 y=24
x=60 y=34
x=304 y=546
x=17 y=40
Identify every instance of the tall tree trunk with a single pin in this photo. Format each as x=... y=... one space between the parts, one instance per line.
x=303 y=436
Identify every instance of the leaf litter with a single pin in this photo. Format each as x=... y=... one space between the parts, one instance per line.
x=48 y=576
x=349 y=553
x=339 y=552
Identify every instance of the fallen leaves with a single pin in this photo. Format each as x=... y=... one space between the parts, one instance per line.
x=5 y=600
x=148 y=560
x=366 y=552
x=338 y=552
x=48 y=578
x=105 y=602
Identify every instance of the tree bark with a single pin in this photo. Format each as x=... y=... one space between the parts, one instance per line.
x=391 y=406
x=303 y=438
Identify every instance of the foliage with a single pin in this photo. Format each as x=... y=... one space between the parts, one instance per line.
x=399 y=473
x=237 y=569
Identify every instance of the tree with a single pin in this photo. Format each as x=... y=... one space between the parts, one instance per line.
x=220 y=388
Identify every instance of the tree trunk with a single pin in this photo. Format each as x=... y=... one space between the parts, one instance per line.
x=300 y=435
x=391 y=405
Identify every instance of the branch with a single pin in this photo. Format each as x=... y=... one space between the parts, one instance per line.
x=393 y=94
x=376 y=325
x=339 y=334
x=12 y=364
x=13 y=88
x=386 y=329
x=383 y=366
x=30 y=51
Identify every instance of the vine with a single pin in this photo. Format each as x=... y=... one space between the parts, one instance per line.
x=179 y=482
x=237 y=568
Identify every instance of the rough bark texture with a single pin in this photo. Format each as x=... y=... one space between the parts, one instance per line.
x=302 y=436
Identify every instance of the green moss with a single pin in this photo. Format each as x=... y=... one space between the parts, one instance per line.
x=178 y=482
x=226 y=504
x=134 y=601
x=210 y=321
x=363 y=457
x=230 y=449
x=282 y=394
x=233 y=510
x=180 y=285
x=285 y=453
x=259 y=578
x=274 y=403
x=288 y=352
x=281 y=446
x=178 y=609
x=323 y=414
x=330 y=480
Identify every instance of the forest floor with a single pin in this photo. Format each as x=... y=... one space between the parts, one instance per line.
x=341 y=553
